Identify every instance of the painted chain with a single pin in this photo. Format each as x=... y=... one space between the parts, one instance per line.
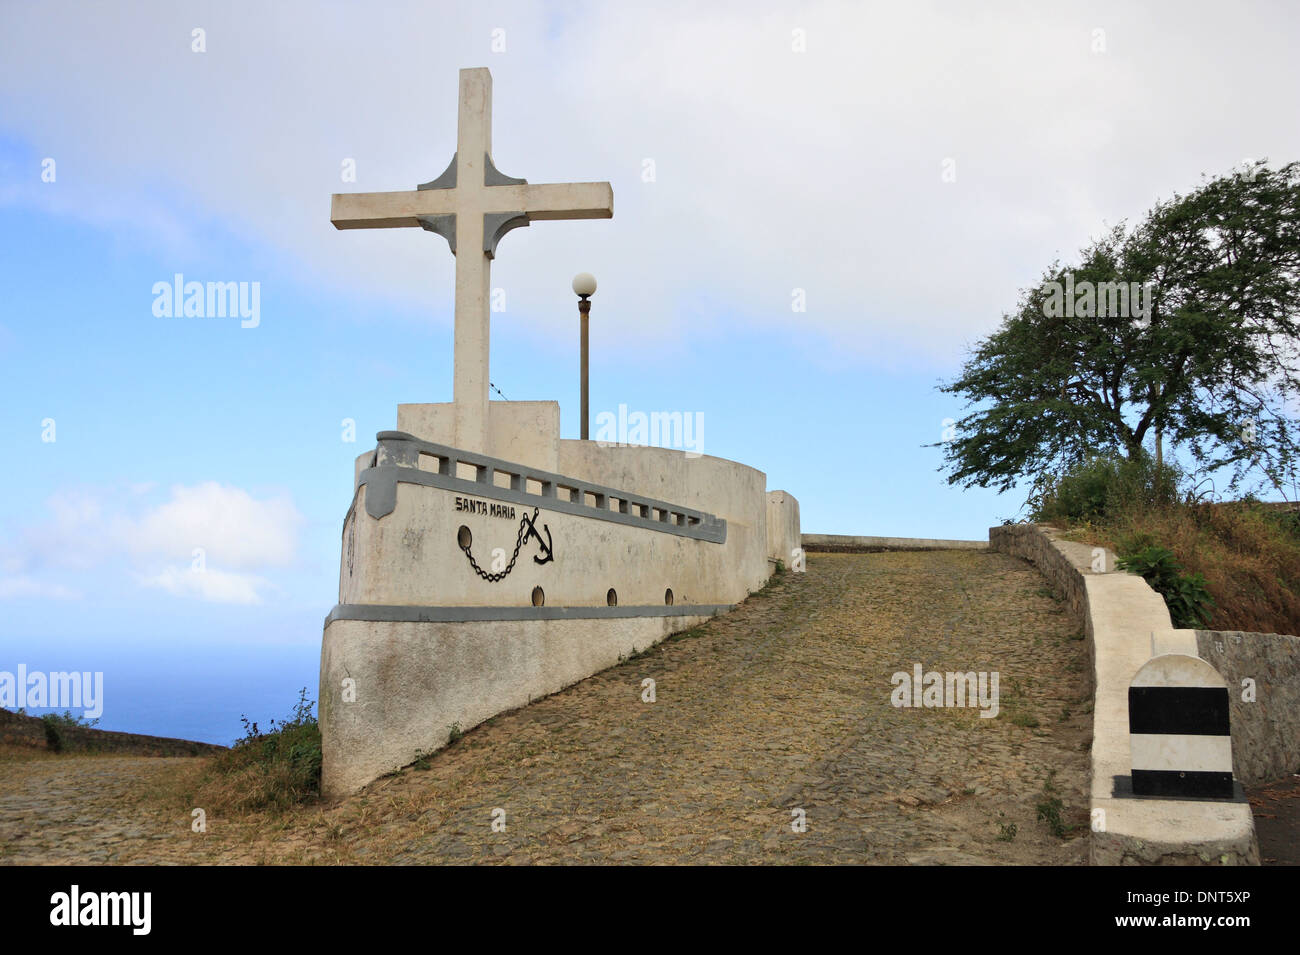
x=519 y=542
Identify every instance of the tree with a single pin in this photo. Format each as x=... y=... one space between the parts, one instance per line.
x=1183 y=330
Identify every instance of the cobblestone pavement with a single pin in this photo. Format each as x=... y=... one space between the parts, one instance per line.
x=85 y=809
x=779 y=707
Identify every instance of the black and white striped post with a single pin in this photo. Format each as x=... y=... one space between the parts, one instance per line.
x=1178 y=729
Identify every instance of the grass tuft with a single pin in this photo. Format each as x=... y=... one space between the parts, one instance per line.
x=274 y=770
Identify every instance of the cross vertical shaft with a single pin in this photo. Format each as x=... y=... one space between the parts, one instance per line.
x=473 y=266
x=472 y=205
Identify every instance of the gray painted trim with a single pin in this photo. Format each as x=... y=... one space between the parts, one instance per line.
x=381 y=499
x=391 y=613
x=496 y=225
x=494 y=177
x=397 y=461
x=444 y=225
x=446 y=181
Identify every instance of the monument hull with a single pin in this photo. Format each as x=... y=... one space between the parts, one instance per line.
x=470 y=585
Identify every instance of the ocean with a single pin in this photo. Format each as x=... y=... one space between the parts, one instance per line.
x=185 y=691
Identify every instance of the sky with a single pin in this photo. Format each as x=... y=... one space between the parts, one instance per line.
x=818 y=208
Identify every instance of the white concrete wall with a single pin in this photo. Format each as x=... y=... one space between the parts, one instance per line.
x=527 y=433
x=412 y=557
x=782 y=526
x=522 y=432
x=413 y=681
x=363 y=461
x=724 y=488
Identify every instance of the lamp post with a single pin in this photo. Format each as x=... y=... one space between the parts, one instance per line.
x=584 y=286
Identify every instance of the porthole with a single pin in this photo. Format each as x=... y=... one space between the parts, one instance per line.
x=611 y=598
x=668 y=597
x=539 y=597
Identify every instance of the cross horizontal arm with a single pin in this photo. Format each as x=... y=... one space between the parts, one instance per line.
x=560 y=200
x=388 y=210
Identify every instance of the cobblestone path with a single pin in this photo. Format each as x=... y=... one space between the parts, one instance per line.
x=71 y=810
x=776 y=713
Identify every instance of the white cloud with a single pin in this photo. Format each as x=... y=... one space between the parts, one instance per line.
x=76 y=535
x=231 y=527
x=156 y=543
x=25 y=585
x=774 y=169
x=215 y=586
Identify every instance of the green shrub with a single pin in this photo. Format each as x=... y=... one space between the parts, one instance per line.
x=1049 y=811
x=53 y=736
x=1103 y=485
x=66 y=718
x=55 y=723
x=268 y=770
x=1185 y=595
x=1080 y=494
x=1286 y=521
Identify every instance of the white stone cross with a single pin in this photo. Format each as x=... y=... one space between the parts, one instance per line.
x=472 y=206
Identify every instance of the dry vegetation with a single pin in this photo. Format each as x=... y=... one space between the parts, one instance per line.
x=274 y=770
x=1248 y=553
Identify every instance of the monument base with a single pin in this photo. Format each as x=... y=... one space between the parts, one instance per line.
x=415 y=681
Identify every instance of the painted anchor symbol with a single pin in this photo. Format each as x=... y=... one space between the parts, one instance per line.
x=548 y=547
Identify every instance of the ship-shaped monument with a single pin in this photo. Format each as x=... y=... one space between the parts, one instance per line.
x=486 y=562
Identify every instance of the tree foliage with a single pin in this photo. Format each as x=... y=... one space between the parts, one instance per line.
x=1202 y=356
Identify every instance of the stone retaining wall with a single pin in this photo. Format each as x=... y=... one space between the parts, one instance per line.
x=1061 y=562
x=24 y=730
x=1266 y=732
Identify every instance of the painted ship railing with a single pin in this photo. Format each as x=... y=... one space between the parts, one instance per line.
x=397 y=460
